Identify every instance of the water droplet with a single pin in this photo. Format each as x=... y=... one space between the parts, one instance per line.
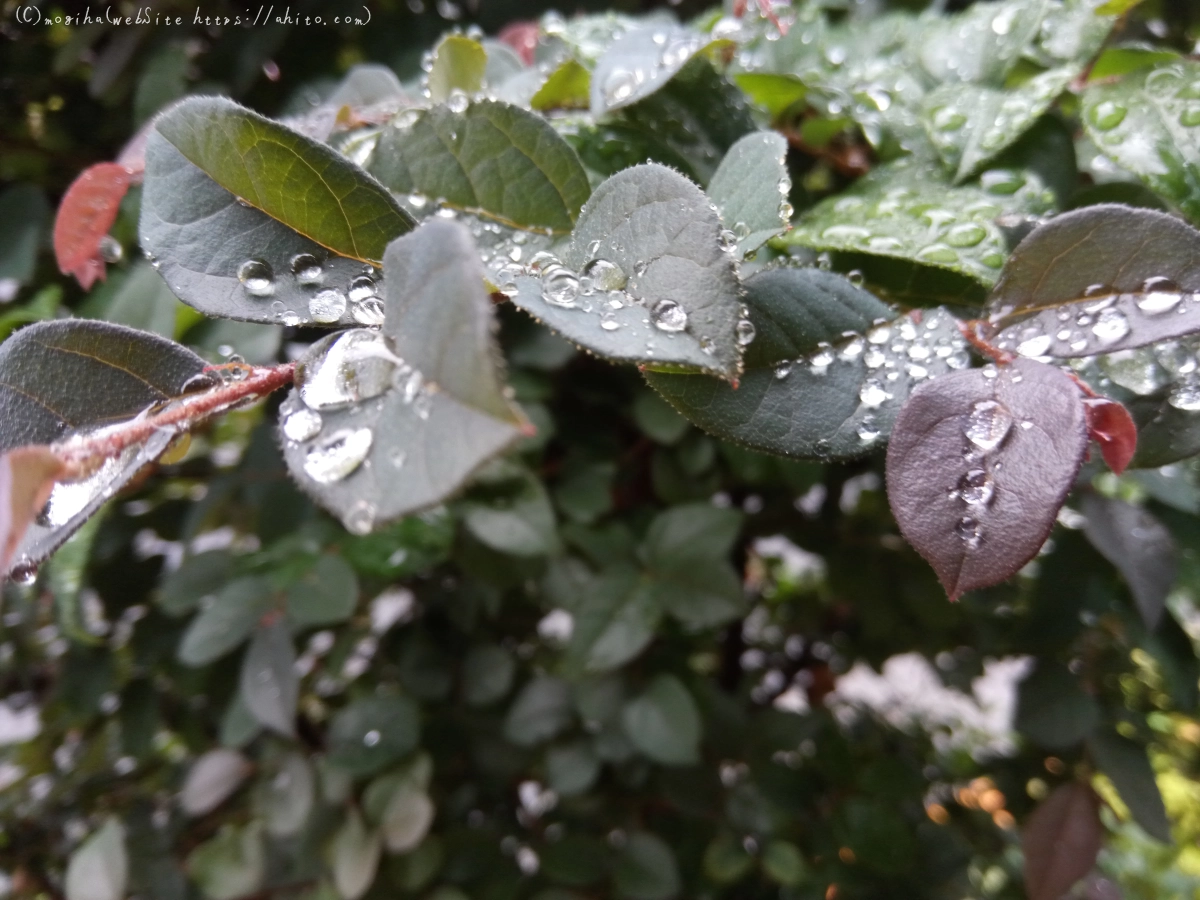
x=969 y=531
x=1111 y=325
x=1035 y=346
x=1160 y=295
x=24 y=573
x=345 y=368
x=360 y=518
x=976 y=488
x=610 y=324
x=967 y=234
x=727 y=240
x=458 y=101
x=937 y=253
x=560 y=286
x=257 y=278
x=333 y=457
x=371 y=738
x=867 y=429
x=856 y=278
x=872 y=394
x=110 y=249
x=361 y=287
x=1002 y=181
x=302 y=425
x=306 y=268
x=1190 y=117
x=783 y=370
x=1107 y=115
x=327 y=306
x=948 y=119
x=745 y=332
x=368 y=312
x=669 y=316
x=988 y=424
x=605 y=275
x=619 y=85
x=1186 y=394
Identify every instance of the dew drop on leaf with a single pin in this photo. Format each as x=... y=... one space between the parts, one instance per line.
x=1161 y=295
x=368 y=312
x=988 y=424
x=327 y=306
x=1111 y=325
x=1186 y=394
x=257 y=278
x=302 y=425
x=560 y=285
x=727 y=240
x=362 y=287
x=458 y=101
x=669 y=316
x=371 y=738
x=744 y=332
x=110 y=249
x=1107 y=115
x=619 y=85
x=345 y=368
x=872 y=395
x=605 y=275
x=306 y=268
x=976 y=488
x=333 y=457
x=360 y=518
x=1035 y=346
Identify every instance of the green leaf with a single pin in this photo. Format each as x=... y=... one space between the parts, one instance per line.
x=99 y=869
x=971 y=124
x=355 y=857
x=751 y=187
x=809 y=390
x=269 y=683
x=1097 y=280
x=648 y=239
x=140 y=300
x=324 y=595
x=198 y=576
x=646 y=869
x=1126 y=764
x=1149 y=123
x=231 y=864
x=657 y=420
x=897 y=211
x=407 y=818
x=1116 y=61
x=373 y=732
x=517 y=518
x=639 y=62
x=397 y=421
x=571 y=769
x=250 y=220
x=487 y=674
x=1053 y=709
x=286 y=795
x=226 y=621
x=24 y=215
x=1139 y=545
x=491 y=159
x=726 y=859
x=212 y=779
x=567 y=87
x=664 y=723
x=616 y=617
x=980 y=45
x=773 y=92
x=459 y=64
x=541 y=710
x=783 y=863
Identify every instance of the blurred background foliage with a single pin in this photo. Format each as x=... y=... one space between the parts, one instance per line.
x=472 y=686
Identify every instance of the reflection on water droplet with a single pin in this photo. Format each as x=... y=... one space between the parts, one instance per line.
x=1186 y=394
x=1002 y=181
x=745 y=332
x=368 y=312
x=610 y=324
x=969 y=531
x=69 y=498
x=361 y=287
x=1035 y=346
x=371 y=738
x=1107 y=115
x=256 y=277
x=110 y=249
x=867 y=429
x=560 y=285
x=333 y=457
x=605 y=275
x=306 y=268
x=327 y=306
x=1161 y=295
x=727 y=240
x=988 y=424
x=619 y=85
x=1111 y=325
x=24 y=573
x=345 y=368
x=872 y=394
x=360 y=518
x=783 y=370
x=458 y=101
x=302 y=425
x=976 y=488
x=669 y=316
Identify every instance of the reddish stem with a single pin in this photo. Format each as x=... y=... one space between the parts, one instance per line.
x=81 y=453
x=971 y=332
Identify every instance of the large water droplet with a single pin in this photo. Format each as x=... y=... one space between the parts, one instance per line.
x=332 y=458
x=458 y=101
x=1107 y=115
x=969 y=531
x=744 y=332
x=327 y=306
x=1111 y=325
x=560 y=285
x=619 y=85
x=966 y=235
x=669 y=316
x=1186 y=394
x=371 y=738
x=345 y=368
x=361 y=288
x=1160 y=295
x=110 y=249
x=360 y=518
x=988 y=424
x=368 y=312
x=867 y=430
x=306 y=268
x=872 y=394
x=302 y=425
x=976 y=488
x=68 y=498
x=257 y=278
x=1035 y=346
x=727 y=240
x=605 y=275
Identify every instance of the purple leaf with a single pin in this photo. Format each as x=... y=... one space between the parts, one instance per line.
x=978 y=465
x=1061 y=841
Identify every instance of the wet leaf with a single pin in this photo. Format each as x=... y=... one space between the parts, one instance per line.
x=356 y=851
x=1139 y=545
x=1053 y=709
x=646 y=869
x=85 y=215
x=971 y=124
x=1149 y=123
x=751 y=187
x=664 y=722
x=567 y=87
x=487 y=674
x=27 y=478
x=773 y=92
x=649 y=240
x=324 y=595
x=269 y=683
x=518 y=519
x=247 y=219
x=980 y=45
x=230 y=865
x=540 y=711
x=459 y=64
x=687 y=551
x=1061 y=841
x=571 y=769
x=639 y=62
x=99 y=869
x=389 y=423
x=823 y=378
x=286 y=795
x=1126 y=764
x=616 y=617
x=181 y=591
x=212 y=779
x=1097 y=280
x=1112 y=427
x=141 y=300
x=978 y=467
x=226 y=621
x=489 y=158
x=372 y=733
x=897 y=211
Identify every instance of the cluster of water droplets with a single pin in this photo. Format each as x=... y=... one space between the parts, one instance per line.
x=1002 y=123
x=1102 y=320
x=1172 y=367
x=985 y=430
x=328 y=299
x=895 y=355
x=1175 y=90
x=674 y=48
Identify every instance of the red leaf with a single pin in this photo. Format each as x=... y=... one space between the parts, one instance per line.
x=87 y=212
x=27 y=476
x=1061 y=841
x=522 y=37
x=1110 y=425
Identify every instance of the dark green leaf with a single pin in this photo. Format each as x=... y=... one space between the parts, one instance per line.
x=24 y=215
x=648 y=240
x=646 y=869
x=572 y=768
x=783 y=863
x=230 y=865
x=615 y=618
x=226 y=621
x=286 y=795
x=269 y=683
x=487 y=674
x=664 y=723
x=1053 y=709
x=197 y=577
x=541 y=710
x=1097 y=280
x=1125 y=762
x=751 y=187
x=99 y=869
x=324 y=595
x=518 y=519
x=371 y=733
x=250 y=220
x=1139 y=545
x=492 y=159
